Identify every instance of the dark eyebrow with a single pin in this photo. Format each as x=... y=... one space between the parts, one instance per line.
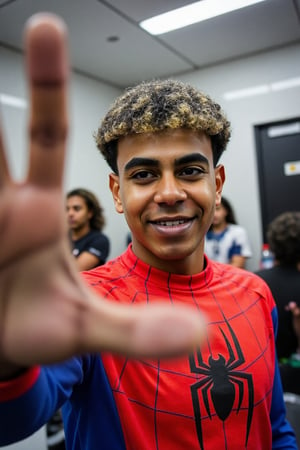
x=192 y=157
x=136 y=162
x=148 y=162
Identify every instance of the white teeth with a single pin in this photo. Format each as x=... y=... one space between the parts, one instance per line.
x=171 y=223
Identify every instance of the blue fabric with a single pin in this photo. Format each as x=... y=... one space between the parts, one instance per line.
x=86 y=406
x=282 y=433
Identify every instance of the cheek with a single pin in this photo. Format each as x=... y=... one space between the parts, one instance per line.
x=135 y=204
x=131 y=206
x=206 y=194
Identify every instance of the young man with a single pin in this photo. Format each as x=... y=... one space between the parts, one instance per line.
x=163 y=141
x=90 y=245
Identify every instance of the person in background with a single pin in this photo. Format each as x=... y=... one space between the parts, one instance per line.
x=128 y=238
x=86 y=221
x=225 y=241
x=162 y=140
x=90 y=248
x=283 y=236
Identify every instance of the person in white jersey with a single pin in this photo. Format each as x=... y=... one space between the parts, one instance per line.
x=226 y=241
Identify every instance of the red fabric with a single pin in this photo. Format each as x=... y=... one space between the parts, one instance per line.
x=9 y=390
x=160 y=402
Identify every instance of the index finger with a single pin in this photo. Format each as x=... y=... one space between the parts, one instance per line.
x=48 y=72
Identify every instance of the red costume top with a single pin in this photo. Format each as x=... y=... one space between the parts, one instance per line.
x=226 y=395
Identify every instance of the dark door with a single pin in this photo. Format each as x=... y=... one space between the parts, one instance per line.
x=278 y=165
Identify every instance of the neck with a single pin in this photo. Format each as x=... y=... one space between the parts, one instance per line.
x=219 y=227
x=79 y=233
x=189 y=263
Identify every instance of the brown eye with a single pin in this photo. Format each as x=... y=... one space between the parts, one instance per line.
x=143 y=175
x=191 y=171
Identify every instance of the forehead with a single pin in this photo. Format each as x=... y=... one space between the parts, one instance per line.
x=166 y=145
x=76 y=200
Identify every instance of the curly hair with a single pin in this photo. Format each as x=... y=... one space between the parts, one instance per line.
x=283 y=235
x=97 y=221
x=160 y=105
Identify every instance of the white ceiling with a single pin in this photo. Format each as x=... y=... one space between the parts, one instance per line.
x=139 y=56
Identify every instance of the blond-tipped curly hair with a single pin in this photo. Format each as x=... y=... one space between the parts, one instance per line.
x=160 y=105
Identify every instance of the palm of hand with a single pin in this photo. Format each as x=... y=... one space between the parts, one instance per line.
x=31 y=219
x=37 y=262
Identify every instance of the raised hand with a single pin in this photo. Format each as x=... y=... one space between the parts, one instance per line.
x=47 y=313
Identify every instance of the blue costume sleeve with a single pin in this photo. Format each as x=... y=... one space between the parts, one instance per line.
x=283 y=436
x=26 y=414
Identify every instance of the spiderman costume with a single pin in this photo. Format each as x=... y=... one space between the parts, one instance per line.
x=226 y=395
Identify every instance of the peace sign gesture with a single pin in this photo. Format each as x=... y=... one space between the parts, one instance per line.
x=47 y=313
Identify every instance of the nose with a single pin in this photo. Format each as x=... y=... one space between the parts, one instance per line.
x=169 y=190
x=69 y=212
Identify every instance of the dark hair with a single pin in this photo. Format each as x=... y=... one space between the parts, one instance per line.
x=97 y=221
x=283 y=236
x=157 y=106
x=230 y=217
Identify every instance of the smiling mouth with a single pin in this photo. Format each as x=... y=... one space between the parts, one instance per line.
x=171 y=223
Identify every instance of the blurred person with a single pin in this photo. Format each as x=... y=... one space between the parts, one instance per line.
x=226 y=241
x=128 y=238
x=90 y=248
x=86 y=221
x=283 y=236
x=61 y=342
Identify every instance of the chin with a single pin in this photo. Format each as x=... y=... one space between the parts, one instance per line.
x=176 y=253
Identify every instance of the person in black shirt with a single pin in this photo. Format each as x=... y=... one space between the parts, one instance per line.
x=90 y=248
x=283 y=236
x=86 y=221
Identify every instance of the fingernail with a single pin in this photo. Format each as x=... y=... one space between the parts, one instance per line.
x=46 y=49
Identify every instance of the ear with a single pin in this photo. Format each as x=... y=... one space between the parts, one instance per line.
x=114 y=185
x=220 y=180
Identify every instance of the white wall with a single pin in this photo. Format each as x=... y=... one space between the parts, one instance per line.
x=241 y=185
x=86 y=167
x=90 y=99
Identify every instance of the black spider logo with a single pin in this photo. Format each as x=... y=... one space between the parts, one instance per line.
x=220 y=381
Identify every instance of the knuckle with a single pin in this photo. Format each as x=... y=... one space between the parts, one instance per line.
x=48 y=135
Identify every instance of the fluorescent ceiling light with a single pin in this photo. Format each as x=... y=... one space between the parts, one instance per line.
x=289 y=83
x=193 y=13
x=10 y=100
x=285 y=84
x=247 y=92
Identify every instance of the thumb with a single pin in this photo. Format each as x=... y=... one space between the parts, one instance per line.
x=144 y=331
